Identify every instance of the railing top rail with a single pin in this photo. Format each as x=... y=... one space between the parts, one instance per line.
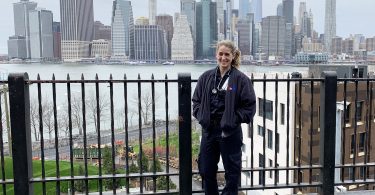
x=106 y=81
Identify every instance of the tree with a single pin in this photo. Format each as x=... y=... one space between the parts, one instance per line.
x=108 y=169
x=76 y=104
x=34 y=118
x=48 y=120
x=93 y=108
x=63 y=121
x=80 y=185
x=144 y=162
x=157 y=166
x=161 y=183
x=146 y=104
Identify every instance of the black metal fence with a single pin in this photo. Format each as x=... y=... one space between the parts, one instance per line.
x=301 y=147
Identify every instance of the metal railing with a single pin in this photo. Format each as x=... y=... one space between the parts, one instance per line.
x=303 y=136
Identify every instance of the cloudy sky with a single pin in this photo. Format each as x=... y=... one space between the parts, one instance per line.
x=353 y=16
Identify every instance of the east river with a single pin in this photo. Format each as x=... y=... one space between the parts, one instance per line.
x=89 y=71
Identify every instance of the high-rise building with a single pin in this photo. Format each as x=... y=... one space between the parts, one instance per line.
x=77 y=28
x=41 y=34
x=359 y=39
x=166 y=21
x=142 y=21
x=206 y=29
x=244 y=8
x=302 y=10
x=21 y=21
x=182 y=41
x=152 y=9
x=279 y=11
x=101 y=31
x=245 y=29
x=306 y=25
x=150 y=43
x=288 y=8
x=288 y=41
x=257 y=48
x=330 y=23
x=273 y=36
x=370 y=44
x=188 y=9
x=17 y=47
x=336 y=46
x=56 y=40
x=347 y=46
x=257 y=10
x=122 y=30
x=220 y=16
x=229 y=4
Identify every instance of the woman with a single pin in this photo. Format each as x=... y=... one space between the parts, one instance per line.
x=223 y=99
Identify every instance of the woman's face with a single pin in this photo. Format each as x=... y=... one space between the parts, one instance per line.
x=224 y=57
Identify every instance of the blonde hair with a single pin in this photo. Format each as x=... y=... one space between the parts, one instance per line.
x=235 y=51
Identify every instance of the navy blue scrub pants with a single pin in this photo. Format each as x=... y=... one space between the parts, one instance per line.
x=212 y=146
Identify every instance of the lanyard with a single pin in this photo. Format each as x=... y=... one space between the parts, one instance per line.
x=215 y=89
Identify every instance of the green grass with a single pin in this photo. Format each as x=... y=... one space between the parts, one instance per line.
x=173 y=143
x=50 y=171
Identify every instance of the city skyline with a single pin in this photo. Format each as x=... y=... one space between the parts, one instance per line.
x=346 y=23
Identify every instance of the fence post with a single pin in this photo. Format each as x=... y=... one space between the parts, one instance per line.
x=328 y=99
x=184 y=117
x=21 y=135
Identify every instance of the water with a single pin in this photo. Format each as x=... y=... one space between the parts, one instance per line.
x=131 y=71
x=104 y=71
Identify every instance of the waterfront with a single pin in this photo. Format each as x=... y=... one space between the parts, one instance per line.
x=90 y=70
x=131 y=71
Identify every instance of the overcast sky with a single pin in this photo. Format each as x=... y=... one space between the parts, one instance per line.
x=353 y=16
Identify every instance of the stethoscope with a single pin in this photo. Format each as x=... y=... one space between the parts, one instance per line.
x=216 y=89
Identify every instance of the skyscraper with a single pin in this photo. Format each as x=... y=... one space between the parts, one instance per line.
x=56 y=40
x=77 y=28
x=206 y=29
x=182 y=41
x=166 y=21
x=41 y=35
x=302 y=10
x=229 y=19
x=122 y=30
x=152 y=9
x=245 y=28
x=288 y=7
x=257 y=10
x=17 y=47
x=150 y=43
x=220 y=16
x=188 y=9
x=273 y=36
x=21 y=21
x=244 y=8
x=330 y=24
x=101 y=31
x=279 y=11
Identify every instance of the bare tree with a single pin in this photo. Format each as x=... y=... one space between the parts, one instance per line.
x=76 y=104
x=63 y=120
x=146 y=104
x=94 y=110
x=34 y=118
x=120 y=115
x=48 y=115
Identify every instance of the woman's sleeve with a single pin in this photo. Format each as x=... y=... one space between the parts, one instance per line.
x=247 y=106
x=197 y=97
